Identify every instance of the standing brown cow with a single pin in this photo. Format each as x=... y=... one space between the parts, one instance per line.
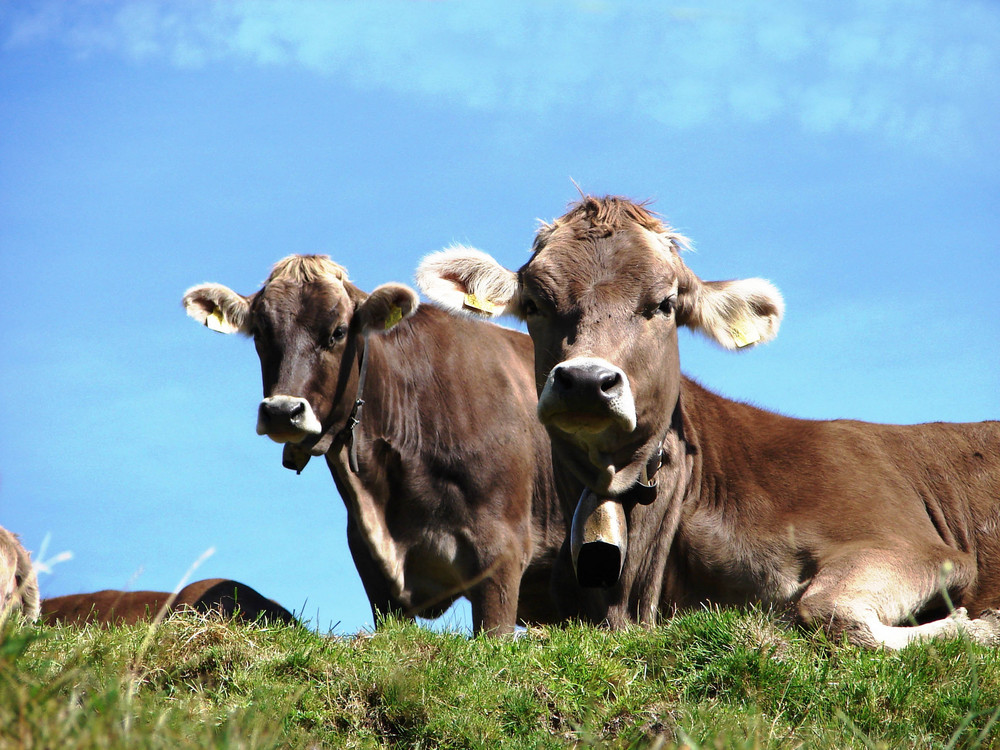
x=855 y=526
x=18 y=582
x=451 y=490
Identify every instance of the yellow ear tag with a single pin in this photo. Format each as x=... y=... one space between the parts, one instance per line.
x=216 y=321
x=395 y=315
x=478 y=303
x=744 y=334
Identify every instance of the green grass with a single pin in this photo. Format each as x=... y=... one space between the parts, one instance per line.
x=709 y=679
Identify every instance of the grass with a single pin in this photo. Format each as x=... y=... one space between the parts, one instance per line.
x=712 y=679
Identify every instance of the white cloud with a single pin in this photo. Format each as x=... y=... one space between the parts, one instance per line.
x=887 y=70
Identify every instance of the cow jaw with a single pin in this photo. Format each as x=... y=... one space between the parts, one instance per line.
x=287 y=419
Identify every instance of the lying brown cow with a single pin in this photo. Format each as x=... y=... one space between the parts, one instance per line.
x=18 y=582
x=855 y=526
x=450 y=492
x=213 y=595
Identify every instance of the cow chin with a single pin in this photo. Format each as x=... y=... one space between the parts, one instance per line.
x=606 y=473
x=287 y=438
x=580 y=424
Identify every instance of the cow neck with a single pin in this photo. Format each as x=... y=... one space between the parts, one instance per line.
x=646 y=488
x=379 y=412
x=347 y=433
x=647 y=485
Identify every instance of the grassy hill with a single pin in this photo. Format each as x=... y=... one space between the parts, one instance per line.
x=704 y=680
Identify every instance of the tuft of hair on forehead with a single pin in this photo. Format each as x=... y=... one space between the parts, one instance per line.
x=593 y=217
x=305 y=269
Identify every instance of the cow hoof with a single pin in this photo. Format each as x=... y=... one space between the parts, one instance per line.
x=989 y=626
x=984 y=630
x=960 y=615
x=991 y=615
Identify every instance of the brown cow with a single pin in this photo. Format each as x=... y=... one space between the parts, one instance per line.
x=858 y=527
x=18 y=581
x=451 y=492
x=213 y=595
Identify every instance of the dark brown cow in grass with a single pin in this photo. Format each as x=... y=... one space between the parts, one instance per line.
x=451 y=490
x=18 y=582
x=858 y=527
x=230 y=599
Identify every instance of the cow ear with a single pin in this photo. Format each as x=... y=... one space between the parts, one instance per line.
x=735 y=314
x=219 y=308
x=385 y=307
x=469 y=281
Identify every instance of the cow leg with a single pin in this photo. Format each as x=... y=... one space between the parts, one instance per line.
x=984 y=629
x=535 y=603
x=866 y=595
x=382 y=602
x=611 y=608
x=494 y=598
x=564 y=589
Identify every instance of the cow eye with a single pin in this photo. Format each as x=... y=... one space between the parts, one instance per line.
x=529 y=307
x=667 y=306
x=337 y=334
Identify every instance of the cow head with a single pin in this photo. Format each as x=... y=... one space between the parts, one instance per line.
x=9 y=583
x=306 y=323
x=603 y=294
x=18 y=581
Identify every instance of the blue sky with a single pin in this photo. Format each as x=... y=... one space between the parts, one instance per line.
x=846 y=151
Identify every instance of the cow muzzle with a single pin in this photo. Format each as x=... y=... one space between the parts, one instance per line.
x=598 y=541
x=287 y=419
x=586 y=395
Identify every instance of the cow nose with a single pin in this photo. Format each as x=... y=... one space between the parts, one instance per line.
x=588 y=380
x=286 y=419
x=586 y=395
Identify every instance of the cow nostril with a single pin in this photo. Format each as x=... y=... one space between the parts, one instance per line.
x=563 y=377
x=609 y=380
x=297 y=409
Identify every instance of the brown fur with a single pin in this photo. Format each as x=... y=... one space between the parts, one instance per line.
x=853 y=526
x=230 y=599
x=453 y=494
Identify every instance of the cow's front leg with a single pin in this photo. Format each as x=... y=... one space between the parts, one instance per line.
x=867 y=593
x=382 y=602
x=614 y=607
x=494 y=598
